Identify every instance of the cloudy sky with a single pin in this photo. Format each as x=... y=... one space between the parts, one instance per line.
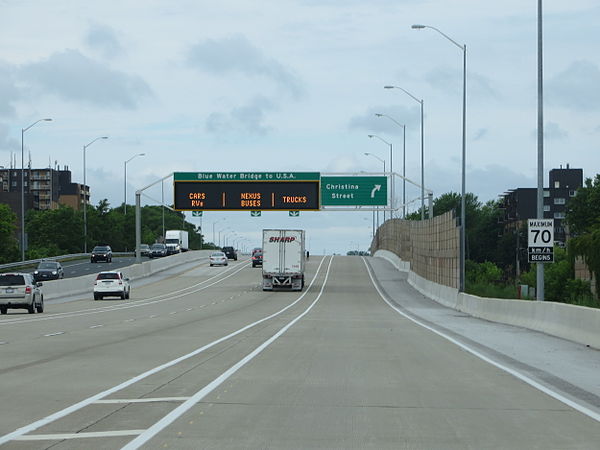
x=294 y=85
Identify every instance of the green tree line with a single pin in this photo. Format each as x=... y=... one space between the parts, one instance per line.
x=60 y=231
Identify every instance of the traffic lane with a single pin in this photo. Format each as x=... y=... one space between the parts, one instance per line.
x=49 y=371
x=354 y=374
x=85 y=267
x=565 y=367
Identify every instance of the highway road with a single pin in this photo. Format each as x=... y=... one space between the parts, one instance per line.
x=203 y=358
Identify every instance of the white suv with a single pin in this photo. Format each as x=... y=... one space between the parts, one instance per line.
x=111 y=284
x=20 y=290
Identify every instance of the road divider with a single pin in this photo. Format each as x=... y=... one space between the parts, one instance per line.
x=79 y=285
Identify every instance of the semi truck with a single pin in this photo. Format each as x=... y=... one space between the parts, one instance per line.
x=283 y=259
x=176 y=241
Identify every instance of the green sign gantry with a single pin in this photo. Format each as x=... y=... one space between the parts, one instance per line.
x=354 y=191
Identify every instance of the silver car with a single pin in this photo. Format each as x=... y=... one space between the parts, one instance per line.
x=20 y=290
x=217 y=259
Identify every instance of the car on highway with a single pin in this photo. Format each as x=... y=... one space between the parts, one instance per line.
x=101 y=253
x=157 y=250
x=144 y=250
x=257 y=259
x=20 y=291
x=48 y=270
x=217 y=259
x=256 y=249
x=230 y=253
x=111 y=284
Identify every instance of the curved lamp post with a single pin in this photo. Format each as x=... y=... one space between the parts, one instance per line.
x=23 y=130
x=371 y=136
x=85 y=202
x=403 y=163
x=383 y=161
x=464 y=154
x=422 y=148
x=125 y=182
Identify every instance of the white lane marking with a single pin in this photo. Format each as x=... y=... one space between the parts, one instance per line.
x=152 y=316
x=194 y=399
x=3 y=342
x=190 y=309
x=129 y=320
x=172 y=312
x=143 y=302
x=61 y=436
x=58 y=333
x=561 y=398
x=141 y=400
x=96 y=326
x=83 y=403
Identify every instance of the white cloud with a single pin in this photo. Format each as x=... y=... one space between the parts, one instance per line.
x=73 y=76
x=103 y=39
x=236 y=54
x=576 y=88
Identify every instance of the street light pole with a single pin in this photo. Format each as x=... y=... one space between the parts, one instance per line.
x=383 y=161
x=463 y=206
x=125 y=183
x=539 y=293
x=422 y=148
x=85 y=201
x=403 y=163
x=392 y=181
x=23 y=130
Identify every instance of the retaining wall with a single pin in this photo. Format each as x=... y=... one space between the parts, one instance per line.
x=430 y=246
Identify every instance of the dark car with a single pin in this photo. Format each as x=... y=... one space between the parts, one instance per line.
x=48 y=270
x=101 y=253
x=257 y=259
x=230 y=253
x=157 y=250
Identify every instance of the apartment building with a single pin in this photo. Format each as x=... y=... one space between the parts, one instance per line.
x=521 y=204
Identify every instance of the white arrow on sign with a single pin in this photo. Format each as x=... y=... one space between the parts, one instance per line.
x=375 y=189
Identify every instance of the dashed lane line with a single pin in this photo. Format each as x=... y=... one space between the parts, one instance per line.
x=23 y=431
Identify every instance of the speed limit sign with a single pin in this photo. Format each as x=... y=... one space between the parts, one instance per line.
x=540 y=240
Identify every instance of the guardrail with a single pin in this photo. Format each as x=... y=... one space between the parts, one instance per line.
x=33 y=262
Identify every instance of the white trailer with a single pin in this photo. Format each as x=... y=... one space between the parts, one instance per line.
x=176 y=241
x=283 y=259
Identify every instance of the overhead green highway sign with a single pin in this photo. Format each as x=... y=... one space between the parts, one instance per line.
x=354 y=191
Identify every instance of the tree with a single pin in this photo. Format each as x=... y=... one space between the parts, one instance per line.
x=9 y=247
x=59 y=231
x=583 y=220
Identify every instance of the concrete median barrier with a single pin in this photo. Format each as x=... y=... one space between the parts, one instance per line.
x=84 y=284
x=575 y=323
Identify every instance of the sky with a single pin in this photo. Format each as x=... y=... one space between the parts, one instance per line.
x=294 y=86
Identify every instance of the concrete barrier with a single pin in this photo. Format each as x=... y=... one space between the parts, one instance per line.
x=84 y=284
x=575 y=323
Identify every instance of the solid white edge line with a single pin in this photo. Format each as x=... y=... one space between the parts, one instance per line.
x=561 y=398
x=79 y=405
x=194 y=399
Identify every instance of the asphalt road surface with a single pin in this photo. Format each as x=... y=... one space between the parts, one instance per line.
x=205 y=359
